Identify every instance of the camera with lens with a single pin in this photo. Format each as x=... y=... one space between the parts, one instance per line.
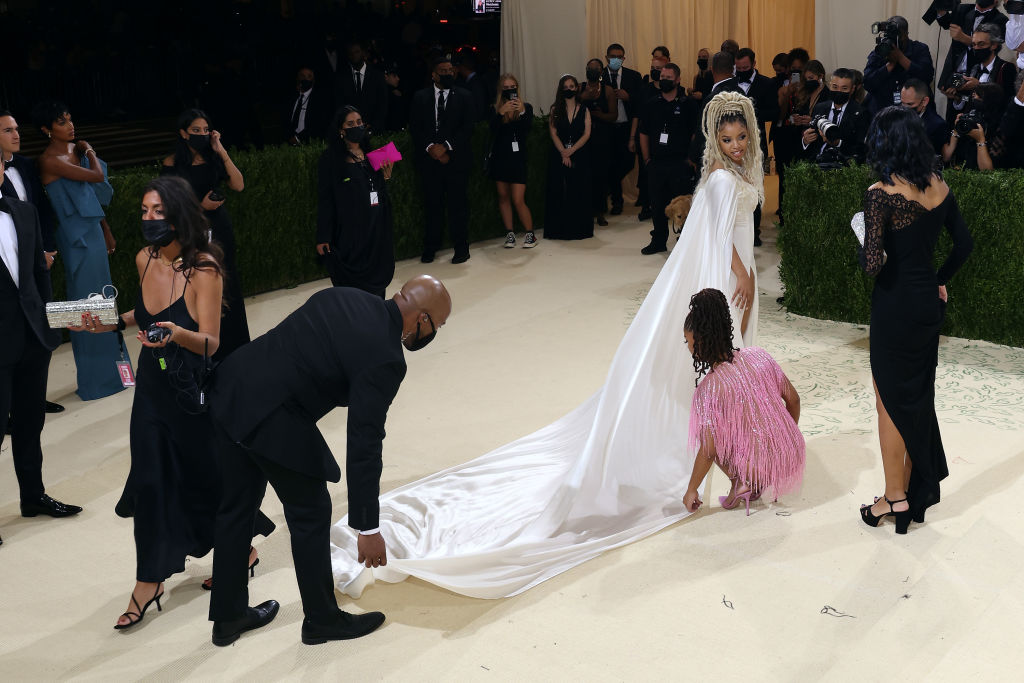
x=958 y=80
x=826 y=129
x=968 y=122
x=1014 y=6
x=156 y=334
x=887 y=37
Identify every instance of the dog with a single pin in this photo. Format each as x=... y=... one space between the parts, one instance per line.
x=677 y=211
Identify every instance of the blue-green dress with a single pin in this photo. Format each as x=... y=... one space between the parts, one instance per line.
x=79 y=208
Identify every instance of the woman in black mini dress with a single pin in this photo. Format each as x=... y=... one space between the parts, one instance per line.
x=511 y=121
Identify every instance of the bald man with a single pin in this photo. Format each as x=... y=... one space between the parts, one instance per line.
x=343 y=347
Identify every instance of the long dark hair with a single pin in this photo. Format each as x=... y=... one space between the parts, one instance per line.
x=336 y=143
x=191 y=229
x=183 y=154
x=898 y=147
x=711 y=326
x=558 y=109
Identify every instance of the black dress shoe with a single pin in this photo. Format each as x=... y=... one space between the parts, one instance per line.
x=644 y=215
x=227 y=632
x=52 y=407
x=653 y=248
x=48 y=506
x=757 y=241
x=347 y=626
x=460 y=258
x=616 y=209
x=427 y=258
x=600 y=220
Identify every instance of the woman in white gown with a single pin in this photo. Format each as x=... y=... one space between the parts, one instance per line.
x=615 y=469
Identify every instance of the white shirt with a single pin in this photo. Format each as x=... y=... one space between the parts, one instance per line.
x=1015 y=36
x=9 y=246
x=978 y=21
x=986 y=77
x=303 y=105
x=437 y=119
x=745 y=85
x=16 y=180
x=717 y=83
x=332 y=59
x=616 y=78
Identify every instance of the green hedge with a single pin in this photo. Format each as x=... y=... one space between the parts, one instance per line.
x=821 y=272
x=274 y=218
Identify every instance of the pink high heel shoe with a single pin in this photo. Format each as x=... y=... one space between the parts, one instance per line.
x=746 y=496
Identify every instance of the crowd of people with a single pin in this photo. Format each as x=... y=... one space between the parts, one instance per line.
x=196 y=400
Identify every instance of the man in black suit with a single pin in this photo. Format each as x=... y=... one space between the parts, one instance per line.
x=20 y=180
x=362 y=86
x=765 y=94
x=441 y=125
x=309 y=114
x=849 y=115
x=25 y=347
x=917 y=96
x=962 y=22
x=626 y=83
x=343 y=347
x=470 y=81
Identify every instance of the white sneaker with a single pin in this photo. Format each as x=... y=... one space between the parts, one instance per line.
x=510 y=240
x=529 y=242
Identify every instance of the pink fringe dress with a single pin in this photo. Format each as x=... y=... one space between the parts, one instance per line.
x=739 y=405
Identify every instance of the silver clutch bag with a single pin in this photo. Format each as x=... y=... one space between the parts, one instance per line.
x=857 y=224
x=69 y=313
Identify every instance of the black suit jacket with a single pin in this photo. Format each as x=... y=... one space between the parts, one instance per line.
x=964 y=16
x=853 y=129
x=699 y=141
x=22 y=308
x=936 y=127
x=456 y=129
x=631 y=82
x=372 y=101
x=341 y=348
x=34 y=188
x=765 y=95
x=477 y=90
x=1003 y=74
x=1011 y=130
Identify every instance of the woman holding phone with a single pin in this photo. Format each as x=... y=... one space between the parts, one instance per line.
x=510 y=128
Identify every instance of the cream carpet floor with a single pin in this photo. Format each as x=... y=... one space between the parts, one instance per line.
x=798 y=591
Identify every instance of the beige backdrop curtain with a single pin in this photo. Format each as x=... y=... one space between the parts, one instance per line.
x=685 y=26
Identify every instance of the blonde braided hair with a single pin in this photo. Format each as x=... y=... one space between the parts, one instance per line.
x=726 y=107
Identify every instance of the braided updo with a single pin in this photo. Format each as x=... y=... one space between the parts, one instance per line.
x=710 y=324
x=730 y=107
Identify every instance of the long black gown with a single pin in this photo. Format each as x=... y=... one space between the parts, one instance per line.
x=173 y=488
x=906 y=316
x=234 y=325
x=568 y=214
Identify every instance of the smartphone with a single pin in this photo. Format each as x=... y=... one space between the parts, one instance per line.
x=216 y=196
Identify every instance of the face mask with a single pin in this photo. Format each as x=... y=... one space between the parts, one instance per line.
x=840 y=98
x=446 y=81
x=305 y=85
x=702 y=64
x=745 y=75
x=198 y=142
x=157 y=232
x=593 y=74
x=655 y=74
x=667 y=85
x=982 y=54
x=568 y=94
x=615 y=63
x=355 y=134
x=912 y=108
x=510 y=93
x=811 y=85
x=419 y=342
x=357 y=65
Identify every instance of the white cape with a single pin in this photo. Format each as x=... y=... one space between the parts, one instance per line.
x=612 y=471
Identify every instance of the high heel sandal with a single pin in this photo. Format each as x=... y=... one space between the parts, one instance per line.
x=902 y=517
x=142 y=611
x=736 y=497
x=208 y=584
x=916 y=517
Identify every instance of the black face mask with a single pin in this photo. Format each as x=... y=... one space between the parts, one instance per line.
x=811 y=86
x=305 y=86
x=702 y=64
x=593 y=75
x=840 y=98
x=445 y=81
x=745 y=75
x=568 y=94
x=355 y=134
x=655 y=74
x=510 y=93
x=357 y=65
x=982 y=54
x=419 y=342
x=157 y=232
x=667 y=85
x=198 y=142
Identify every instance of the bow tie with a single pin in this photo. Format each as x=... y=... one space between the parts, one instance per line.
x=985 y=71
x=745 y=80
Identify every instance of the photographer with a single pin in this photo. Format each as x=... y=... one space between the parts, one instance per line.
x=979 y=126
x=987 y=40
x=916 y=96
x=895 y=59
x=840 y=125
x=1010 y=151
x=962 y=20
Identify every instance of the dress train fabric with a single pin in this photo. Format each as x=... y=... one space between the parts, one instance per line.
x=611 y=472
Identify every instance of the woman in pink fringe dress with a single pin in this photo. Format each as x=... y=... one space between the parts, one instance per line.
x=745 y=411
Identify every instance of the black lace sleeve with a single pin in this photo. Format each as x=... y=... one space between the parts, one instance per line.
x=877 y=214
x=963 y=243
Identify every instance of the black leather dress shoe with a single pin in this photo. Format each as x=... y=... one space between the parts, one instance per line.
x=227 y=632
x=616 y=209
x=347 y=626
x=427 y=258
x=460 y=258
x=48 y=506
x=52 y=407
x=644 y=215
x=653 y=248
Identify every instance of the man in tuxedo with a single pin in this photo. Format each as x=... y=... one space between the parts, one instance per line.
x=884 y=76
x=25 y=347
x=962 y=22
x=765 y=94
x=20 y=180
x=844 y=111
x=362 y=86
x=470 y=81
x=441 y=125
x=309 y=114
x=916 y=96
x=343 y=347
x=626 y=84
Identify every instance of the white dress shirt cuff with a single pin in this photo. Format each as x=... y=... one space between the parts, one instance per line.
x=370 y=532
x=1018 y=102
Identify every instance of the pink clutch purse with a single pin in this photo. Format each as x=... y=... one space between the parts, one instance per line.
x=386 y=153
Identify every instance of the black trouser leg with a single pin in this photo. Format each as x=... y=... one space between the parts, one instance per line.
x=665 y=181
x=621 y=161
x=433 y=201
x=456 y=192
x=23 y=397
x=642 y=189
x=757 y=223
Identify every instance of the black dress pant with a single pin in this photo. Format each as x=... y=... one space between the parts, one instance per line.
x=307 y=509
x=621 y=161
x=666 y=180
x=23 y=398
x=445 y=187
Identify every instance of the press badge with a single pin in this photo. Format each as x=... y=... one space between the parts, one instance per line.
x=663 y=139
x=124 y=370
x=374 y=201
x=515 y=145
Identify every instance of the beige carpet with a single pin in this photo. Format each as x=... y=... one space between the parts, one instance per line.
x=798 y=591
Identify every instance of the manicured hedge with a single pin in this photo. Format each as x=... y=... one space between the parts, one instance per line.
x=275 y=216
x=821 y=272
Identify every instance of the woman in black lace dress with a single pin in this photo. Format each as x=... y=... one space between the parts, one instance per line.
x=903 y=216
